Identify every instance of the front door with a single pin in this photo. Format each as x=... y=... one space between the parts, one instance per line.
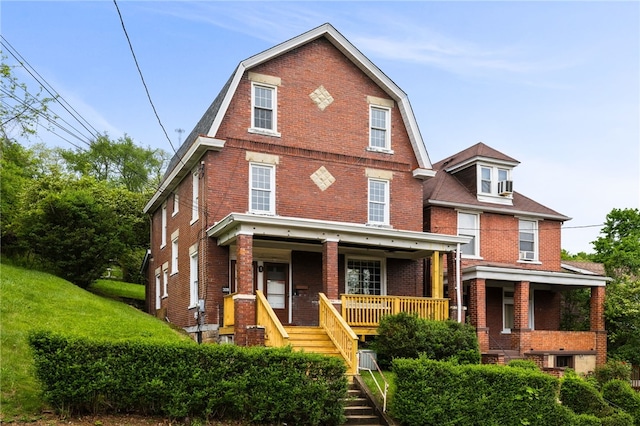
x=276 y=289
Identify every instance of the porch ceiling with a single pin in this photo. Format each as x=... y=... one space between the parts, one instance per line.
x=410 y=243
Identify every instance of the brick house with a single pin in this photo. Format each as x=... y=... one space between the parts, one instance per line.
x=511 y=279
x=296 y=204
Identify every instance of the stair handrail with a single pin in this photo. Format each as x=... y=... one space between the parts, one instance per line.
x=375 y=380
x=339 y=332
x=274 y=332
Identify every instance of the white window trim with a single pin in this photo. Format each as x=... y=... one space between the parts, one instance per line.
x=383 y=271
x=493 y=196
x=176 y=204
x=536 y=245
x=165 y=279
x=158 y=289
x=474 y=232
x=387 y=135
x=387 y=197
x=163 y=224
x=507 y=301
x=174 y=253
x=272 y=189
x=193 y=277
x=195 y=196
x=274 y=109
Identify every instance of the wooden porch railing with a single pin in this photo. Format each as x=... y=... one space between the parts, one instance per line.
x=366 y=311
x=228 y=319
x=339 y=332
x=274 y=333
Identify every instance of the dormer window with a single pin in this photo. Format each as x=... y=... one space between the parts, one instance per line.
x=494 y=184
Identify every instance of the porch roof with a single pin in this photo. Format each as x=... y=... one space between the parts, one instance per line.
x=398 y=243
x=533 y=276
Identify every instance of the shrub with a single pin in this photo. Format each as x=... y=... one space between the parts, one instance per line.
x=585 y=420
x=612 y=370
x=433 y=392
x=582 y=397
x=618 y=419
x=621 y=395
x=527 y=364
x=408 y=336
x=184 y=380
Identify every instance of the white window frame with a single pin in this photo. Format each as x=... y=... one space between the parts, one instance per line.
x=193 y=279
x=195 y=196
x=176 y=204
x=163 y=232
x=271 y=190
x=383 y=271
x=386 y=128
x=384 y=203
x=165 y=280
x=274 y=109
x=523 y=255
x=158 y=290
x=474 y=232
x=482 y=179
x=507 y=300
x=174 y=256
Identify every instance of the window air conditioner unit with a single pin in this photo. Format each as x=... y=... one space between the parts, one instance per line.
x=505 y=187
x=527 y=255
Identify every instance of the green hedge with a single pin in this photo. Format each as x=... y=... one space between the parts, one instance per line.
x=620 y=394
x=431 y=392
x=583 y=397
x=408 y=336
x=199 y=381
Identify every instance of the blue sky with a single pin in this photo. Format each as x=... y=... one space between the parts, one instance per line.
x=555 y=85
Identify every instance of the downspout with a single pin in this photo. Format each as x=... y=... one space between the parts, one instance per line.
x=458 y=284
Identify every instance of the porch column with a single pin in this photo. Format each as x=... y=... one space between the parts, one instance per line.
x=452 y=294
x=478 y=312
x=521 y=333
x=596 y=316
x=330 y=269
x=244 y=301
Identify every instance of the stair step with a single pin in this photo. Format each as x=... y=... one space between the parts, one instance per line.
x=358 y=410
x=362 y=420
x=350 y=402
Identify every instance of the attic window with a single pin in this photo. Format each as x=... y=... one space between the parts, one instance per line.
x=264 y=111
x=494 y=184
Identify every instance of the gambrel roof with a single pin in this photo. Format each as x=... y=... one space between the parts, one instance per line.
x=202 y=137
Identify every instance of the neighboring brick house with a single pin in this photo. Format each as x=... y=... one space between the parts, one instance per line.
x=512 y=279
x=304 y=177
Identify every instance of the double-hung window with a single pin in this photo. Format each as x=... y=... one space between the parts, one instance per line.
x=378 y=202
x=176 y=204
x=158 y=294
x=262 y=195
x=193 y=278
x=164 y=225
x=264 y=112
x=528 y=240
x=379 y=125
x=174 y=256
x=195 y=195
x=469 y=226
x=485 y=180
x=165 y=280
x=365 y=276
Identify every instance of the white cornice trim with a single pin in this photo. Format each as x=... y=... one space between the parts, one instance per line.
x=233 y=224
x=534 y=276
x=479 y=159
x=193 y=154
x=497 y=209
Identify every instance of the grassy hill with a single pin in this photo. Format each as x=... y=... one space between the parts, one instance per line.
x=31 y=300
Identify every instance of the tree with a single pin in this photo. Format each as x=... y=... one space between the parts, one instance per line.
x=120 y=162
x=71 y=225
x=618 y=248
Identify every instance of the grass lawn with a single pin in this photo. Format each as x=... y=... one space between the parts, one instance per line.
x=32 y=300
x=371 y=384
x=118 y=290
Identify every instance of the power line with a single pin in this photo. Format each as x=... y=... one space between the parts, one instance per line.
x=44 y=84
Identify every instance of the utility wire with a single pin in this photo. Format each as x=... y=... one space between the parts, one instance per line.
x=59 y=98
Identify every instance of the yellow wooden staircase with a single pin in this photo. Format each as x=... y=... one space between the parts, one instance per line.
x=312 y=339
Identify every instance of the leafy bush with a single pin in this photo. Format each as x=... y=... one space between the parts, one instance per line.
x=432 y=392
x=585 y=420
x=527 y=364
x=408 y=336
x=618 y=419
x=612 y=370
x=583 y=397
x=621 y=394
x=183 y=380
